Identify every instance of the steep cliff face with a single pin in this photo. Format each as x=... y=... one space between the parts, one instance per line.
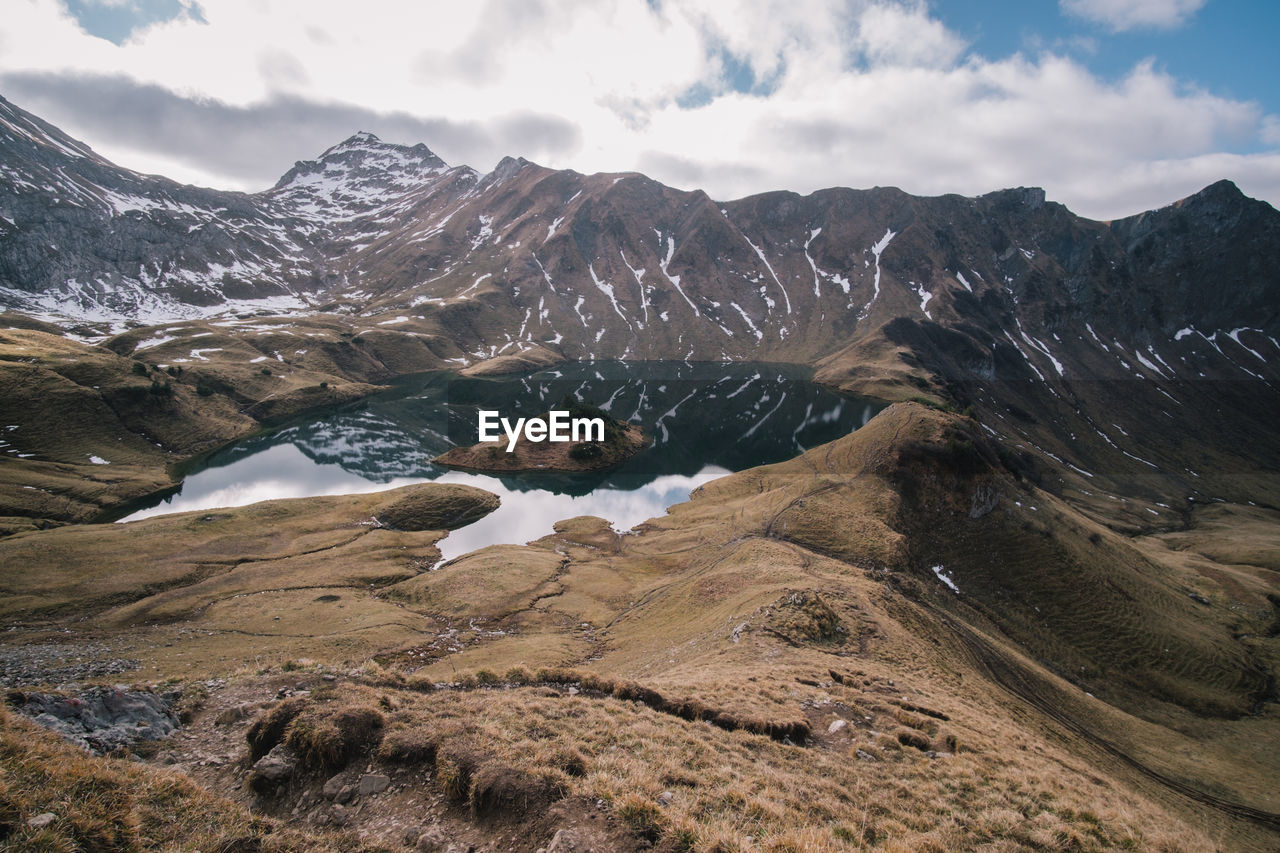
x=84 y=238
x=1211 y=258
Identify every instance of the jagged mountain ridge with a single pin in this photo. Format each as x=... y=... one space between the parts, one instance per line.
x=618 y=265
x=86 y=238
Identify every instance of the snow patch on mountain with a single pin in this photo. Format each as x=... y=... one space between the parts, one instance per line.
x=877 y=250
x=607 y=290
x=769 y=267
x=675 y=280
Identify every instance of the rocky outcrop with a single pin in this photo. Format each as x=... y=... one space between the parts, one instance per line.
x=101 y=719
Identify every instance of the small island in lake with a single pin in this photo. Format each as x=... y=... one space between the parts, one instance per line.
x=621 y=441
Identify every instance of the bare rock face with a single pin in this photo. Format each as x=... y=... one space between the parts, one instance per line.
x=101 y=719
x=565 y=841
x=433 y=840
x=333 y=787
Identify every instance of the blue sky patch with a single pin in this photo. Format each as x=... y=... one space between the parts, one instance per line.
x=1227 y=48
x=116 y=21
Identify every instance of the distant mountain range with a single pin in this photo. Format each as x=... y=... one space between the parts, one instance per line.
x=613 y=265
x=966 y=299
x=1066 y=542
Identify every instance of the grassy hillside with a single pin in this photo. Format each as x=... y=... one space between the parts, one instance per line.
x=774 y=663
x=87 y=427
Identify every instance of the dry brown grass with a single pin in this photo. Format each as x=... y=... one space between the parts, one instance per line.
x=691 y=785
x=328 y=735
x=492 y=582
x=205 y=592
x=105 y=805
x=267 y=731
x=71 y=400
x=171 y=566
x=703 y=645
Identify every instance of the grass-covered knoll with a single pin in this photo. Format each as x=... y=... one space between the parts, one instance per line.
x=86 y=427
x=170 y=566
x=193 y=592
x=530 y=357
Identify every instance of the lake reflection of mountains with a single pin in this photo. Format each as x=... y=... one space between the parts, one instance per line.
x=733 y=416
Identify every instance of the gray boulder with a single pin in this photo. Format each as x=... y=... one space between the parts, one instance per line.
x=102 y=719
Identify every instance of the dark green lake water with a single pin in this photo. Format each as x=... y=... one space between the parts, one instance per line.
x=705 y=420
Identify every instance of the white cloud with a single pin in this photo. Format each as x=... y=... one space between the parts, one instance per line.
x=1122 y=15
x=1271 y=130
x=895 y=35
x=733 y=96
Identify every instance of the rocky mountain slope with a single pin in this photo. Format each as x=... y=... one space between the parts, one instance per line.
x=86 y=239
x=619 y=265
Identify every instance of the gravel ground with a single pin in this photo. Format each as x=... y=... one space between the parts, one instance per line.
x=58 y=663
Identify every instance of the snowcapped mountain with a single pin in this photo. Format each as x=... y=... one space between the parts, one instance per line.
x=863 y=283
x=354 y=177
x=85 y=239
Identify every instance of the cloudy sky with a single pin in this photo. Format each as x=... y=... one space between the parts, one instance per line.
x=1114 y=106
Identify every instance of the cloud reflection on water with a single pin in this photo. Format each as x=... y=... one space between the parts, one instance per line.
x=525 y=516
x=284 y=471
x=281 y=471
x=706 y=420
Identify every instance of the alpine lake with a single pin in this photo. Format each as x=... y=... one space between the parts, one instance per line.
x=704 y=420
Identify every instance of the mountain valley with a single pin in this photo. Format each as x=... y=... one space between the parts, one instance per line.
x=1032 y=604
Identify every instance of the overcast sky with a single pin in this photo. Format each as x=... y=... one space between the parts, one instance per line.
x=1113 y=106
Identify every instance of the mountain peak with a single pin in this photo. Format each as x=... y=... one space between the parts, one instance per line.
x=358 y=140
x=356 y=174
x=1030 y=197
x=1223 y=186
x=507 y=167
x=1213 y=207
x=1219 y=192
x=362 y=143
